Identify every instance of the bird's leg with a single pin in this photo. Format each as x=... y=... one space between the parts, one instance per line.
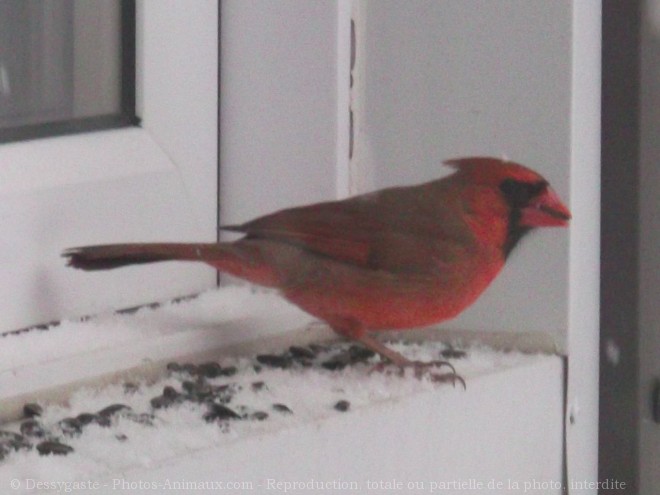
x=402 y=362
x=353 y=330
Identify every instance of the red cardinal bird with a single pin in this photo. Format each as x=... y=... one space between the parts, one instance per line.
x=397 y=258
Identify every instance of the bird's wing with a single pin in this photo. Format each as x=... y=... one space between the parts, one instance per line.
x=372 y=232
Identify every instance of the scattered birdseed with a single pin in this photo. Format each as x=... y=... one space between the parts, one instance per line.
x=358 y=353
x=335 y=364
x=452 y=353
x=171 y=393
x=282 y=408
x=189 y=368
x=161 y=402
x=258 y=386
x=193 y=383
x=70 y=427
x=275 y=361
x=87 y=418
x=229 y=371
x=225 y=393
x=259 y=415
x=112 y=410
x=10 y=440
x=219 y=412
x=131 y=388
x=32 y=410
x=197 y=391
x=173 y=367
x=146 y=419
x=301 y=352
x=32 y=428
x=318 y=348
x=53 y=447
x=353 y=355
x=210 y=369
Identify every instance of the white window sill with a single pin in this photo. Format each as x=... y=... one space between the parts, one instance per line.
x=48 y=365
x=396 y=428
x=506 y=427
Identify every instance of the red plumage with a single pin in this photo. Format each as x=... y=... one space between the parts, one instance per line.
x=397 y=258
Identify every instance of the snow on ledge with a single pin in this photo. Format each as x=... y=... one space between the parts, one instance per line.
x=394 y=429
x=50 y=365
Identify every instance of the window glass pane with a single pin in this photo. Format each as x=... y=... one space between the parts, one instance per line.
x=65 y=66
x=96 y=57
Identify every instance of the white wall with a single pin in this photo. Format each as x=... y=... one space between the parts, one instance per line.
x=279 y=121
x=449 y=79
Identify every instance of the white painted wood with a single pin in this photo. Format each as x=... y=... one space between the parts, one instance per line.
x=361 y=170
x=584 y=253
x=280 y=122
x=343 y=98
x=154 y=182
x=37 y=286
x=28 y=167
x=179 y=94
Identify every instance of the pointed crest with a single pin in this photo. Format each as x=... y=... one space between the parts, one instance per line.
x=487 y=169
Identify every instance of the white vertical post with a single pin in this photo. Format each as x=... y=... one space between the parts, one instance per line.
x=584 y=251
x=343 y=96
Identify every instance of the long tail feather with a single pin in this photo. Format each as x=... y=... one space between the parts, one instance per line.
x=106 y=257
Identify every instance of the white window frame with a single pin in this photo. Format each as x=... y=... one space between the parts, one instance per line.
x=172 y=161
x=156 y=181
x=153 y=182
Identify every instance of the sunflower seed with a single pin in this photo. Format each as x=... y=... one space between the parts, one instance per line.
x=210 y=369
x=32 y=428
x=54 y=447
x=275 y=361
x=282 y=408
x=112 y=410
x=70 y=426
x=259 y=415
x=32 y=410
x=220 y=412
x=301 y=352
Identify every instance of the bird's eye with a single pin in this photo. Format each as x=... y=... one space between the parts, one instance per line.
x=518 y=193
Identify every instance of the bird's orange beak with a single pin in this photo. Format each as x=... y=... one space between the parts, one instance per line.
x=546 y=210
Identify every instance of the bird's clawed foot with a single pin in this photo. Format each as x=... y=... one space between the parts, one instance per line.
x=396 y=360
x=423 y=369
